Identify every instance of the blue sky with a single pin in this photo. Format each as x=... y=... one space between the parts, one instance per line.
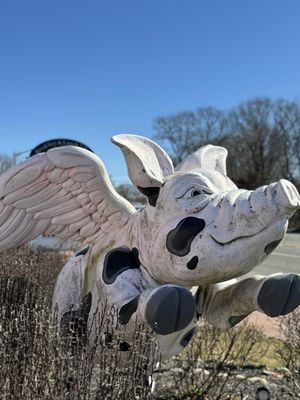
x=89 y=69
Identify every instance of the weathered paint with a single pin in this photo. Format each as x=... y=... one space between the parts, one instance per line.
x=198 y=229
x=90 y=268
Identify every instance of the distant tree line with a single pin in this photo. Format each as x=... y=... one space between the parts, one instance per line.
x=5 y=162
x=130 y=193
x=262 y=137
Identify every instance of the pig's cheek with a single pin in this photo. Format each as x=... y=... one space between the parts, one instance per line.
x=188 y=266
x=209 y=253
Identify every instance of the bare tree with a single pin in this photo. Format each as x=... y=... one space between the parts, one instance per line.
x=287 y=120
x=130 y=193
x=184 y=132
x=5 y=162
x=262 y=137
x=252 y=143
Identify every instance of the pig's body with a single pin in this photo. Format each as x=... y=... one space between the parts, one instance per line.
x=198 y=230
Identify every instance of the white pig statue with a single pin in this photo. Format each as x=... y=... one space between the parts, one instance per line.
x=197 y=230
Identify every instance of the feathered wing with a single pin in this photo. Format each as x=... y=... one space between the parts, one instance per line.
x=66 y=193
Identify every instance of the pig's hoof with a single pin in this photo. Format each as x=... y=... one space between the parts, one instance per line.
x=170 y=309
x=280 y=294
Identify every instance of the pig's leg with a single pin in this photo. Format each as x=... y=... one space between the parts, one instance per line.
x=164 y=308
x=71 y=310
x=169 y=311
x=170 y=345
x=167 y=308
x=227 y=303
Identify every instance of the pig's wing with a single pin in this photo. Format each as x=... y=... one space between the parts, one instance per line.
x=66 y=193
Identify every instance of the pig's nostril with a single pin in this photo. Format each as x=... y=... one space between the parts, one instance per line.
x=272 y=246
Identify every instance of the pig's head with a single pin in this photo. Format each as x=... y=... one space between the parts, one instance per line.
x=198 y=227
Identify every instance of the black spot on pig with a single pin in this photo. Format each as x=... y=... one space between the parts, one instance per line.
x=124 y=346
x=74 y=322
x=192 y=264
x=83 y=251
x=128 y=309
x=152 y=193
x=179 y=239
x=187 y=337
x=117 y=261
x=108 y=339
x=272 y=246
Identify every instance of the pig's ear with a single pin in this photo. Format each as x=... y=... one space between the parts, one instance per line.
x=207 y=157
x=147 y=163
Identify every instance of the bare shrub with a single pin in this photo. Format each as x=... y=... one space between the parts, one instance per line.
x=40 y=361
x=125 y=374
x=290 y=354
x=208 y=367
x=40 y=266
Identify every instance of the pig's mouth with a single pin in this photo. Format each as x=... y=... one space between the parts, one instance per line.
x=243 y=237
x=233 y=240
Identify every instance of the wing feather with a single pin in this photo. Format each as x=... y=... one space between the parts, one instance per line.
x=51 y=203
x=28 y=228
x=11 y=223
x=29 y=190
x=65 y=192
x=55 y=211
x=91 y=227
x=58 y=175
x=37 y=198
x=16 y=178
x=5 y=213
x=69 y=218
x=77 y=224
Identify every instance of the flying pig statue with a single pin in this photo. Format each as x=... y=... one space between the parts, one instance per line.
x=197 y=230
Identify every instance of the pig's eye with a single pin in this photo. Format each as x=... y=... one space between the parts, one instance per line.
x=195 y=192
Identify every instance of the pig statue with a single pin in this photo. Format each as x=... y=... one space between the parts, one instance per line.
x=197 y=230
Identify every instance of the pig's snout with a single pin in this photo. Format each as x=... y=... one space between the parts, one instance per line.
x=286 y=195
x=244 y=213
